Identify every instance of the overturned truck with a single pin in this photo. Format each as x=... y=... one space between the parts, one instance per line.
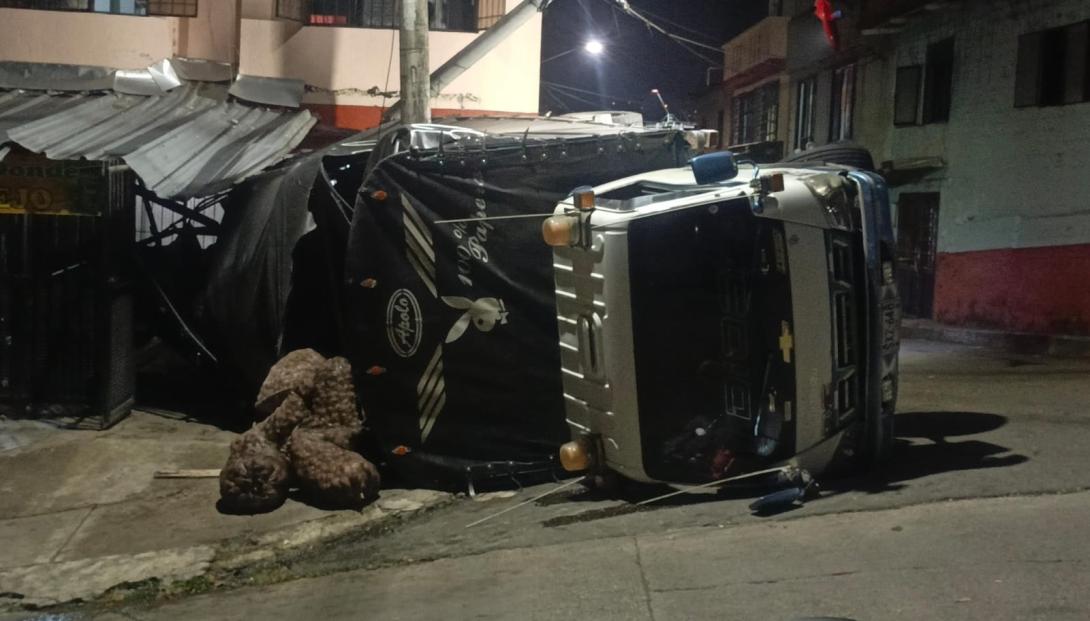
x=450 y=301
x=693 y=319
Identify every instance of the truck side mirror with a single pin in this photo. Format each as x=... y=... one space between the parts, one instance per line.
x=714 y=167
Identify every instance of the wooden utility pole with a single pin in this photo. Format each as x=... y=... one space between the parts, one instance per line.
x=415 y=79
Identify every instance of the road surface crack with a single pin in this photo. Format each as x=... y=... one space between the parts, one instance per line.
x=643 y=580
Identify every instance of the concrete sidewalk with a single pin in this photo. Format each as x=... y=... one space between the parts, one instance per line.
x=1057 y=345
x=82 y=511
x=999 y=558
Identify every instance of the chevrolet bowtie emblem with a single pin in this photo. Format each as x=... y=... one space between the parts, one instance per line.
x=787 y=342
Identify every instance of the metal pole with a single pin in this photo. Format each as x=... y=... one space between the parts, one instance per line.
x=476 y=50
x=415 y=81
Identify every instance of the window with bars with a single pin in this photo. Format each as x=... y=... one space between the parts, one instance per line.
x=923 y=94
x=938 y=81
x=179 y=8
x=1053 y=66
x=906 y=97
x=804 y=112
x=449 y=15
x=843 y=103
x=756 y=115
x=489 y=12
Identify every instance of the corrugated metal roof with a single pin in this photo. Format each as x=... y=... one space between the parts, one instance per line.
x=19 y=107
x=156 y=79
x=188 y=142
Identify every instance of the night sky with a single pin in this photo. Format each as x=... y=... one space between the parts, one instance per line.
x=636 y=59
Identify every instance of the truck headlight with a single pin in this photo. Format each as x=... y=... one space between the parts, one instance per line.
x=831 y=191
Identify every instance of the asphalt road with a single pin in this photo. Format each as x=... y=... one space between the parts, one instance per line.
x=981 y=516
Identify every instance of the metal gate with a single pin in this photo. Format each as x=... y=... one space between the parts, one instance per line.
x=66 y=306
x=917 y=237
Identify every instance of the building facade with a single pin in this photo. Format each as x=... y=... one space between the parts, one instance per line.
x=988 y=107
x=748 y=106
x=346 y=51
x=977 y=112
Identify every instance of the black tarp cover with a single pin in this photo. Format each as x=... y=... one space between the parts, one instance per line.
x=250 y=276
x=456 y=322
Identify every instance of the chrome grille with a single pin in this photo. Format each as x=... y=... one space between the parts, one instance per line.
x=845 y=329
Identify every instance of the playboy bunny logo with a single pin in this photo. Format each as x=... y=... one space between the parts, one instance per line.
x=484 y=313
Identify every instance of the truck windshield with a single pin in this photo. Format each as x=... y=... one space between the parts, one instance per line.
x=710 y=290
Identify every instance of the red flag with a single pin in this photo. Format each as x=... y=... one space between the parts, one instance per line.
x=824 y=11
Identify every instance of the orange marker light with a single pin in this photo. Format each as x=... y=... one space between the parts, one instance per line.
x=575 y=456
x=583 y=199
x=559 y=230
x=379 y=195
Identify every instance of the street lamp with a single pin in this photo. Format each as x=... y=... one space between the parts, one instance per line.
x=594 y=47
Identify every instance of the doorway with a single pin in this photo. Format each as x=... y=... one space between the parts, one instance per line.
x=917 y=236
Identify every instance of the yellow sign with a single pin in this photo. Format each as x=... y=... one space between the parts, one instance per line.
x=35 y=184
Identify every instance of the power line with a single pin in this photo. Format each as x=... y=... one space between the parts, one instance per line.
x=552 y=94
x=684 y=42
x=680 y=26
x=565 y=87
x=578 y=98
x=579 y=90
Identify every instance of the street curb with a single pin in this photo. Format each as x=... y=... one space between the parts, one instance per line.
x=51 y=584
x=234 y=554
x=46 y=585
x=1060 y=346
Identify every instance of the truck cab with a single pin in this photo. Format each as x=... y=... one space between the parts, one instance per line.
x=722 y=317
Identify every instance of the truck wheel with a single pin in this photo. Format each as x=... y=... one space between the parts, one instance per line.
x=864 y=447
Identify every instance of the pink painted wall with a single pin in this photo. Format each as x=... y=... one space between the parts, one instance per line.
x=342 y=64
x=84 y=39
x=1043 y=290
x=120 y=41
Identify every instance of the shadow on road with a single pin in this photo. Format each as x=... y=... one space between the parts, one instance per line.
x=931 y=443
x=927 y=443
x=937 y=425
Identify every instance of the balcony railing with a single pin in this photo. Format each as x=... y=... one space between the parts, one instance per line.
x=765 y=41
x=450 y=15
x=179 y=8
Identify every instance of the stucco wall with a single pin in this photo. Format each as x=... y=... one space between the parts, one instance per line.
x=766 y=39
x=120 y=41
x=341 y=64
x=1015 y=177
x=1014 y=213
x=84 y=39
x=1039 y=289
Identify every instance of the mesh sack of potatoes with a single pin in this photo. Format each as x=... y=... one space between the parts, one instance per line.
x=334 y=400
x=256 y=477
x=279 y=425
x=295 y=372
x=328 y=474
x=344 y=436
